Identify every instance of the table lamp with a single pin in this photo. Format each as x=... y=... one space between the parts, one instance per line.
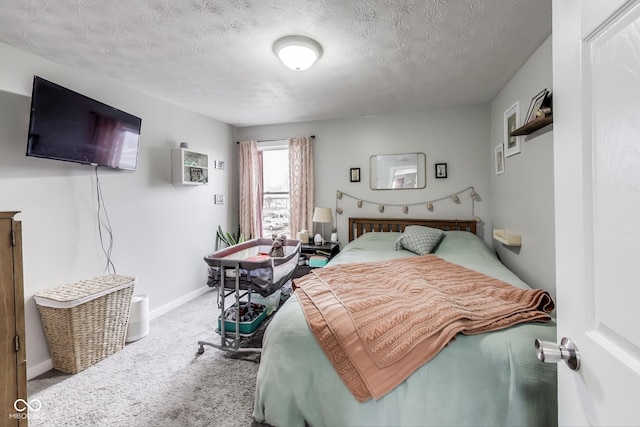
x=321 y=215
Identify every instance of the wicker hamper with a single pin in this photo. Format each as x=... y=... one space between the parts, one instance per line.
x=86 y=321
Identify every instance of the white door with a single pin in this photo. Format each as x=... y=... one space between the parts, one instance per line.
x=596 y=97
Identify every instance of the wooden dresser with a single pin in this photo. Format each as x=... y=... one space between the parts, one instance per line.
x=13 y=360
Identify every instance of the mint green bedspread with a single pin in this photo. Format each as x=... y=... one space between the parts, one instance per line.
x=491 y=379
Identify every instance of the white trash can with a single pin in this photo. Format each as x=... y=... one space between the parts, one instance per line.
x=139 y=318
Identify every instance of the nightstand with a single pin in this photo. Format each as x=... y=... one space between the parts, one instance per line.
x=327 y=249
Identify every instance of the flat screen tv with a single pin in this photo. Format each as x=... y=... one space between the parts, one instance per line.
x=65 y=125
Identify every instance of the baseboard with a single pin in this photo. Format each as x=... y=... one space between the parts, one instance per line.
x=39 y=369
x=178 y=302
x=47 y=365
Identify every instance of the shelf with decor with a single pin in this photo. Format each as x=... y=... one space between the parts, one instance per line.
x=503 y=236
x=189 y=167
x=533 y=125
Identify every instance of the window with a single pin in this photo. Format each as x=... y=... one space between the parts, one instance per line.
x=275 y=184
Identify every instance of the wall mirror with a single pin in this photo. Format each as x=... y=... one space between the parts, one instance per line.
x=398 y=171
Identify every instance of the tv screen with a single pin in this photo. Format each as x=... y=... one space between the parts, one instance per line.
x=65 y=125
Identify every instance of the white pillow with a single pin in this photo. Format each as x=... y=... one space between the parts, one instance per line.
x=419 y=239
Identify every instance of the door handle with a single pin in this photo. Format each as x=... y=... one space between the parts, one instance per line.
x=550 y=352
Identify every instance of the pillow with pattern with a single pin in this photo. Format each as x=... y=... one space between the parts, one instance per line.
x=419 y=239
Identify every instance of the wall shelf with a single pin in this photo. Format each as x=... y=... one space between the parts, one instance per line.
x=189 y=167
x=533 y=125
x=503 y=236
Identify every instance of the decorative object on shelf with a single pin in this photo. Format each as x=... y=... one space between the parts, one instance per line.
x=541 y=115
x=184 y=145
x=453 y=197
x=355 y=174
x=220 y=199
x=297 y=52
x=441 y=170
x=323 y=216
x=196 y=174
x=535 y=105
x=503 y=236
x=499 y=159
x=512 y=143
x=219 y=164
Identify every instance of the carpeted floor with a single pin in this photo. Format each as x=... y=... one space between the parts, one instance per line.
x=156 y=381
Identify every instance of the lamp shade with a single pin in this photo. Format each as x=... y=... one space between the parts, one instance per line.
x=322 y=215
x=297 y=52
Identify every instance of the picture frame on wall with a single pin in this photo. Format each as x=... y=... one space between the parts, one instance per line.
x=499 y=159
x=441 y=170
x=354 y=174
x=219 y=199
x=512 y=144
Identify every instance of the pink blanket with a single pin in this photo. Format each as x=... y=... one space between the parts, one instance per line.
x=378 y=322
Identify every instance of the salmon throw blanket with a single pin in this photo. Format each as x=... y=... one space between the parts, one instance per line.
x=378 y=322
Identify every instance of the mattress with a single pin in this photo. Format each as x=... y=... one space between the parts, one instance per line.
x=487 y=379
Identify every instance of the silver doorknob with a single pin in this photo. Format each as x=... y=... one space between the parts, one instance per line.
x=550 y=352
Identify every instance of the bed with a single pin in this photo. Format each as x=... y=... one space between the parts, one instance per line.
x=489 y=379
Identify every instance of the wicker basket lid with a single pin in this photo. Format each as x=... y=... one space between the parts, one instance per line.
x=80 y=292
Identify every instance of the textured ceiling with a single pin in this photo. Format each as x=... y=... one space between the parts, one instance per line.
x=215 y=56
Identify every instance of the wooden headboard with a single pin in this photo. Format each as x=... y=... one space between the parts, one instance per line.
x=359 y=226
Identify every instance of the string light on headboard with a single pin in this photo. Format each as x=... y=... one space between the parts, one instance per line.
x=453 y=197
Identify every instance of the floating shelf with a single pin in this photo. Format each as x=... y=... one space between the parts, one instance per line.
x=503 y=236
x=189 y=167
x=533 y=126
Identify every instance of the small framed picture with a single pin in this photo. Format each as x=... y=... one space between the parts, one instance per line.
x=499 y=159
x=354 y=174
x=441 y=170
x=513 y=144
x=219 y=164
x=219 y=199
x=196 y=174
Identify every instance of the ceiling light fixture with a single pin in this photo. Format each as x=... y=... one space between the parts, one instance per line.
x=297 y=52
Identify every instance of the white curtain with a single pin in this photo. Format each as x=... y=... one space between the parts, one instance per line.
x=250 y=179
x=301 y=188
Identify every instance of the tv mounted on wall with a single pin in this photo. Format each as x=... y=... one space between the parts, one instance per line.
x=65 y=125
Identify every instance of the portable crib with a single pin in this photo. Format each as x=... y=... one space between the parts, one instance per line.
x=239 y=270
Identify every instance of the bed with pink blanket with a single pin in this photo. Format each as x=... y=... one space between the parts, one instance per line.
x=387 y=337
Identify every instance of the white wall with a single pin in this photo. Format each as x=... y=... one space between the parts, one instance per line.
x=520 y=200
x=456 y=136
x=161 y=232
x=522 y=197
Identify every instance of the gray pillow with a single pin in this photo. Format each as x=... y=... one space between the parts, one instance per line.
x=419 y=239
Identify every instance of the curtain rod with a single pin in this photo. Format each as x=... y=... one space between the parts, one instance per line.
x=281 y=139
